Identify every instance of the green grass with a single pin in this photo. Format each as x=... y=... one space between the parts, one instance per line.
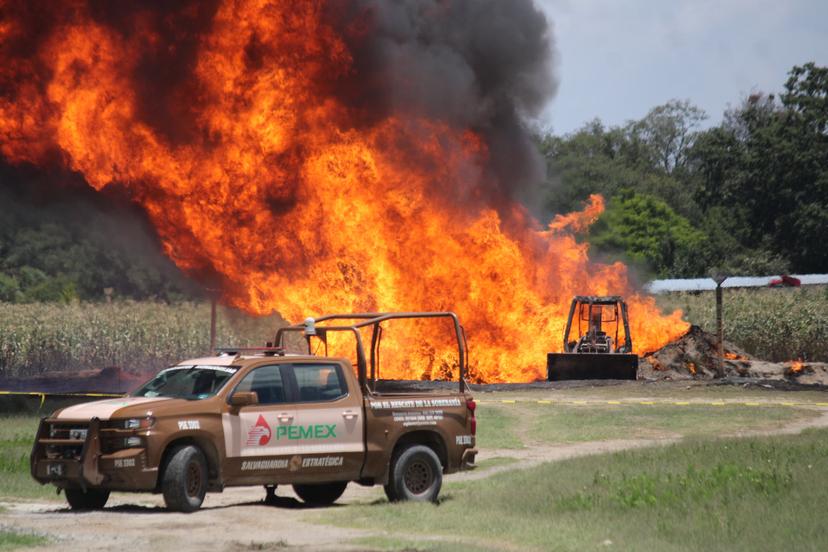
x=774 y=324
x=567 y=424
x=729 y=494
x=496 y=427
x=12 y=540
x=17 y=434
x=443 y=544
x=514 y=426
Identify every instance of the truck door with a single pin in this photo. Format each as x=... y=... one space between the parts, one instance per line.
x=252 y=433
x=327 y=431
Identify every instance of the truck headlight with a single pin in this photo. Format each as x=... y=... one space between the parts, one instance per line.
x=130 y=442
x=139 y=423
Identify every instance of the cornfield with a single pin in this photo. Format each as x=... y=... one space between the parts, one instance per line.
x=779 y=324
x=143 y=336
x=773 y=324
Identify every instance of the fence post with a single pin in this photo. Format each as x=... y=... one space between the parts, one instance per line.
x=213 y=324
x=719 y=279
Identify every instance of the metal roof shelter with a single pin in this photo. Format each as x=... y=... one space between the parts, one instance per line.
x=707 y=284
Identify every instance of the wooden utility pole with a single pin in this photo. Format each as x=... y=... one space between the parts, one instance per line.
x=213 y=301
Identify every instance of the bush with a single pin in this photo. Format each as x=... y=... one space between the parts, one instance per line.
x=9 y=289
x=648 y=231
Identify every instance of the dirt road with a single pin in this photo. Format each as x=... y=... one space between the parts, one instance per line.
x=238 y=519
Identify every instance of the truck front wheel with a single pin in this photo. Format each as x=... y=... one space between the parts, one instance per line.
x=416 y=474
x=185 y=479
x=322 y=494
x=91 y=499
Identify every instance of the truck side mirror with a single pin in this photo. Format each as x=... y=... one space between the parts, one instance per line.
x=244 y=398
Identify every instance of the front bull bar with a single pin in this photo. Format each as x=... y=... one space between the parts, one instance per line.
x=82 y=471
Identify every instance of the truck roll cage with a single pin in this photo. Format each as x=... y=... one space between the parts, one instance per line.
x=319 y=328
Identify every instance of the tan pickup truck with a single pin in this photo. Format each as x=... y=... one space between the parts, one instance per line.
x=264 y=417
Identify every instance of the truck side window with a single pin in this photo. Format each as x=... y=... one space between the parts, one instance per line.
x=267 y=383
x=319 y=382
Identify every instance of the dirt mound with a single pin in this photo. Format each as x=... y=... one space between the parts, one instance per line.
x=695 y=356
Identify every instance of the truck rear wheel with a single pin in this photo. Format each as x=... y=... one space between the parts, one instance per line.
x=321 y=494
x=91 y=499
x=185 y=479
x=416 y=474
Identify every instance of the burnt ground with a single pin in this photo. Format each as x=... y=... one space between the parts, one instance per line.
x=758 y=382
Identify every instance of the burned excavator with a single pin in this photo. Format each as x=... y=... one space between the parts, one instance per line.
x=602 y=348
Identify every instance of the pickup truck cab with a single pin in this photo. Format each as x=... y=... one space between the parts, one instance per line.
x=263 y=417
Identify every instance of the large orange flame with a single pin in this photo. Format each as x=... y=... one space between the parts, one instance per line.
x=294 y=208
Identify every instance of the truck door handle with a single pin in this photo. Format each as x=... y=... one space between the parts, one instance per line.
x=284 y=417
x=348 y=415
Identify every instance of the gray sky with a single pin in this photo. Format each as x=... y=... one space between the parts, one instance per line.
x=618 y=59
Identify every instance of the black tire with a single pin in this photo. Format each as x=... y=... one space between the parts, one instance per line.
x=416 y=475
x=322 y=494
x=92 y=499
x=270 y=494
x=185 y=479
x=390 y=492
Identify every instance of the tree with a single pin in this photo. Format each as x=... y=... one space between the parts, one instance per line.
x=664 y=137
x=596 y=159
x=756 y=185
x=646 y=230
x=806 y=97
x=74 y=243
x=767 y=165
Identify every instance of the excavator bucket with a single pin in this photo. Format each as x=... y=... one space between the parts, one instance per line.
x=596 y=342
x=582 y=366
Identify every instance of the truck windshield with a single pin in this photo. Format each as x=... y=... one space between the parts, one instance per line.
x=187 y=382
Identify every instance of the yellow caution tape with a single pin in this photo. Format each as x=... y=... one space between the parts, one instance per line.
x=40 y=393
x=64 y=395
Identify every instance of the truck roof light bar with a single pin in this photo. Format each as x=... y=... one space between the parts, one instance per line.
x=267 y=351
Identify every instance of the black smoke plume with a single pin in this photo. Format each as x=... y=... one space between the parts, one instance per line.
x=486 y=65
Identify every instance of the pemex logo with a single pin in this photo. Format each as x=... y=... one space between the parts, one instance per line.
x=259 y=434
